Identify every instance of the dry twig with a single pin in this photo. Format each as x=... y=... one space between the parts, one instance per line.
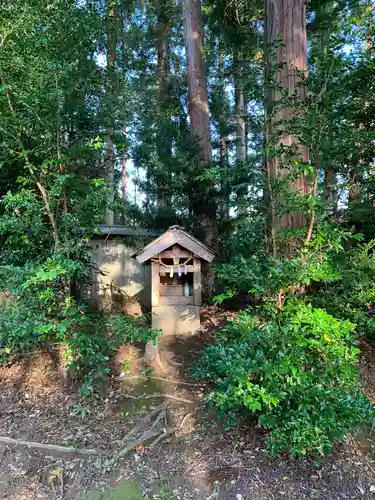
x=62 y=483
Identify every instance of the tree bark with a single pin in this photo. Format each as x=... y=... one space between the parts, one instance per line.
x=286 y=64
x=330 y=195
x=124 y=173
x=370 y=29
x=197 y=83
x=163 y=143
x=111 y=72
x=223 y=138
x=199 y=111
x=241 y=136
x=356 y=190
x=240 y=107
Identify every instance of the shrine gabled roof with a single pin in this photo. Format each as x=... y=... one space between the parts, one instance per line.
x=175 y=235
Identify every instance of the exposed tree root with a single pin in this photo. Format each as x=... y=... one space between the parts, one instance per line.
x=154 y=418
x=47 y=447
x=133 y=444
x=162 y=436
x=169 y=381
x=170 y=432
x=151 y=433
x=160 y=395
x=147 y=435
x=152 y=357
x=143 y=422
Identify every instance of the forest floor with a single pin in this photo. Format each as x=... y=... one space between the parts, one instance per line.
x=195 y=458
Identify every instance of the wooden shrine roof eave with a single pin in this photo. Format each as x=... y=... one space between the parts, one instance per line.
x=175 y=235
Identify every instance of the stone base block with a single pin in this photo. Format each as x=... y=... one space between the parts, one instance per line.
x=176 y=320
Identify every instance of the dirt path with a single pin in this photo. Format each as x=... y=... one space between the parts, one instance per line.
x=200 y=461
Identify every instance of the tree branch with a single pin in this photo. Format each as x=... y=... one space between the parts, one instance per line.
x=50 y=214
x=40 y=186
x=314 y=191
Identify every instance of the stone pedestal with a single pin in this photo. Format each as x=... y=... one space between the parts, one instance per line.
x=176 y=319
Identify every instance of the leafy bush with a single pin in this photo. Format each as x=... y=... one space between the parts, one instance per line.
x=266 y=276
x=299 y=375
x=90 y=340
x=36 y=308
x=21 y=329
x=352 y=296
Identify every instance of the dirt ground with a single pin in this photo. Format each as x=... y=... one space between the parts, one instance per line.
x=195 y=457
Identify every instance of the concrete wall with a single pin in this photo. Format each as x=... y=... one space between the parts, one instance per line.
x=119 y=282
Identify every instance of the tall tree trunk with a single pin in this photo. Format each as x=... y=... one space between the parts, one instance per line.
x=206 y=207
x=285 y=20
x=357 y=174
x=240 y=107
x=330 y=195
x=124 y=173
x=197 y=83
x=330 y=189
x=241 y=138
x=223 y=139
x=199 y=110
x=163 y=143
x=370 y=30
x=111 y=74
x=355 y=186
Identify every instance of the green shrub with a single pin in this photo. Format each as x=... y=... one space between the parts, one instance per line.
x=317 y=262
x=299 y=375
x=21 y=329
x=43 y=268
x=352 y=297
x=34 y=309
x=90 y=340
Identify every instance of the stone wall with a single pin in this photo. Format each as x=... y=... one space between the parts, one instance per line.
x=119 y=282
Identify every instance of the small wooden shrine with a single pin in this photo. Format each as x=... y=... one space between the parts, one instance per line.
x=176 y=258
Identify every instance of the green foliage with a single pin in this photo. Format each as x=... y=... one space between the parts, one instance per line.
x=44 y=271
x=90 y=340
x=37 y=315
x=265 y=276
x=299 y=375
x=352 y=296
x=21 y=329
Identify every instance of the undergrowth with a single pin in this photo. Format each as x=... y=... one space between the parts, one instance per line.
x=286 y=361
